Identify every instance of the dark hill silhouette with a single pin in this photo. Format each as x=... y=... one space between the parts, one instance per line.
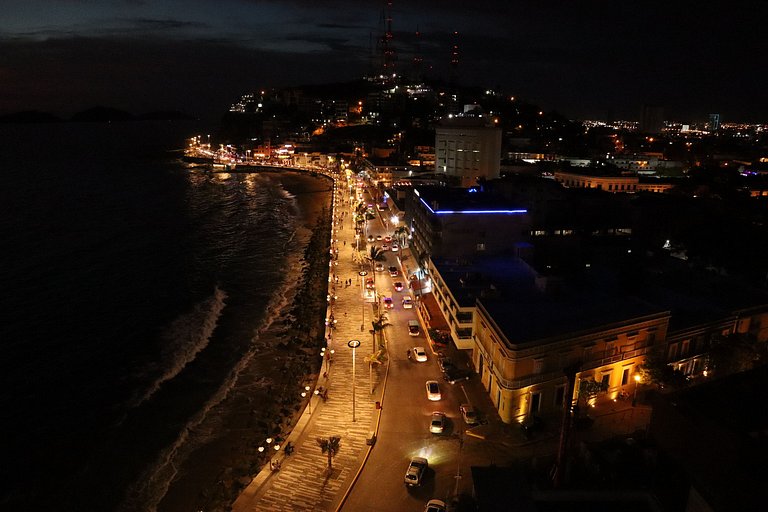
x=102 y=114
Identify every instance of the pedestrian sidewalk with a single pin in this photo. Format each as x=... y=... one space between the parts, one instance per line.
x=303 y=481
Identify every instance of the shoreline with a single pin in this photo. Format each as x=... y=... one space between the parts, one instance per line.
x=266 y=400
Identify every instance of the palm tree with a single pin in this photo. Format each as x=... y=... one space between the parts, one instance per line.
x=374 y=254
x=379 y=323
x=373 y=359
x=401 y=233
x=329 y=446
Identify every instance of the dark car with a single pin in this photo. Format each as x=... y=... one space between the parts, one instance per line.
x=445 y=363
x=454 y=375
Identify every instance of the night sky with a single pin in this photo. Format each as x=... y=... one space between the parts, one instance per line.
x=586 y=59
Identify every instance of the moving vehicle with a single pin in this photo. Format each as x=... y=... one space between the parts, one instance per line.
x=407 y=302
x=378 y=238
x=415 y=471
x=388 y=239
x=387 y=302
x=435 y=506
x=395 y=248
x=393 y=271
x=379 y=267
x=420 y=354
x=433 y=391
x=398 y=286
x=369 y=283
x=413 y=327
x=437 y=424
x=384 y=247
x=468 y=413
x=370 y=238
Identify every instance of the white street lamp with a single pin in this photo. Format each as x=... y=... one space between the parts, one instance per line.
x=353 y=344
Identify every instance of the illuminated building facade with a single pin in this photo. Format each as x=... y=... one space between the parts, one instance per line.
x=468 y=148
x=610 y=183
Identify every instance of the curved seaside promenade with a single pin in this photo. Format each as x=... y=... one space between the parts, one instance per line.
x=303 y=481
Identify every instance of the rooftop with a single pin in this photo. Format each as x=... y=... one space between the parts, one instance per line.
x=473 y=200
x=507 y=289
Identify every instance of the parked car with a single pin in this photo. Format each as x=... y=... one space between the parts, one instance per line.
x=437 y=424
x=435 y=506
x=468 y=413
x=407 y=302
x=415 y=471
x=444 y=362
x=453 y=375
x=420 y=354
x=433 y=390
x=398 y=286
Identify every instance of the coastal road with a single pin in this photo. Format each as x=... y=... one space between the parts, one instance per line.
x=404 y=429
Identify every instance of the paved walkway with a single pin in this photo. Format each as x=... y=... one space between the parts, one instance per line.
x=303 y=481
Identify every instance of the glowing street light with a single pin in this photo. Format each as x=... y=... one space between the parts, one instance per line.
x=634 y=395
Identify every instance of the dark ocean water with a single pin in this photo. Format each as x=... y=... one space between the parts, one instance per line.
x=131 y=286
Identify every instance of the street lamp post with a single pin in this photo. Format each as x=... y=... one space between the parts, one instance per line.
x=362 y=273
x=353 y=344
x=634 y=395
x=304 y=394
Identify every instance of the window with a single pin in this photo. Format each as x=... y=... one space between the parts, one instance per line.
x=480 y=247
x=559 y=395
x=538 y=365
x=535 y=402
x=672 y=354
x=686 y=348
x=605 y=381
x=625 y=377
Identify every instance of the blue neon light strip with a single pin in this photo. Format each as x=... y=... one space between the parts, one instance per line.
x=472 y=212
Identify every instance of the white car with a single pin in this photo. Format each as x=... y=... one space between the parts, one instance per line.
x=407 y=302
x=415 y=471
x=435 y=506
x=437 y=424
x=468 y=413
x=433 y=391
x=385 y=247
x=420 y=354
x=395 y=248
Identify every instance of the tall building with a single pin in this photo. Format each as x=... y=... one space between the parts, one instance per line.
x=652 y=119
x=714 y=122
x=468 y=148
